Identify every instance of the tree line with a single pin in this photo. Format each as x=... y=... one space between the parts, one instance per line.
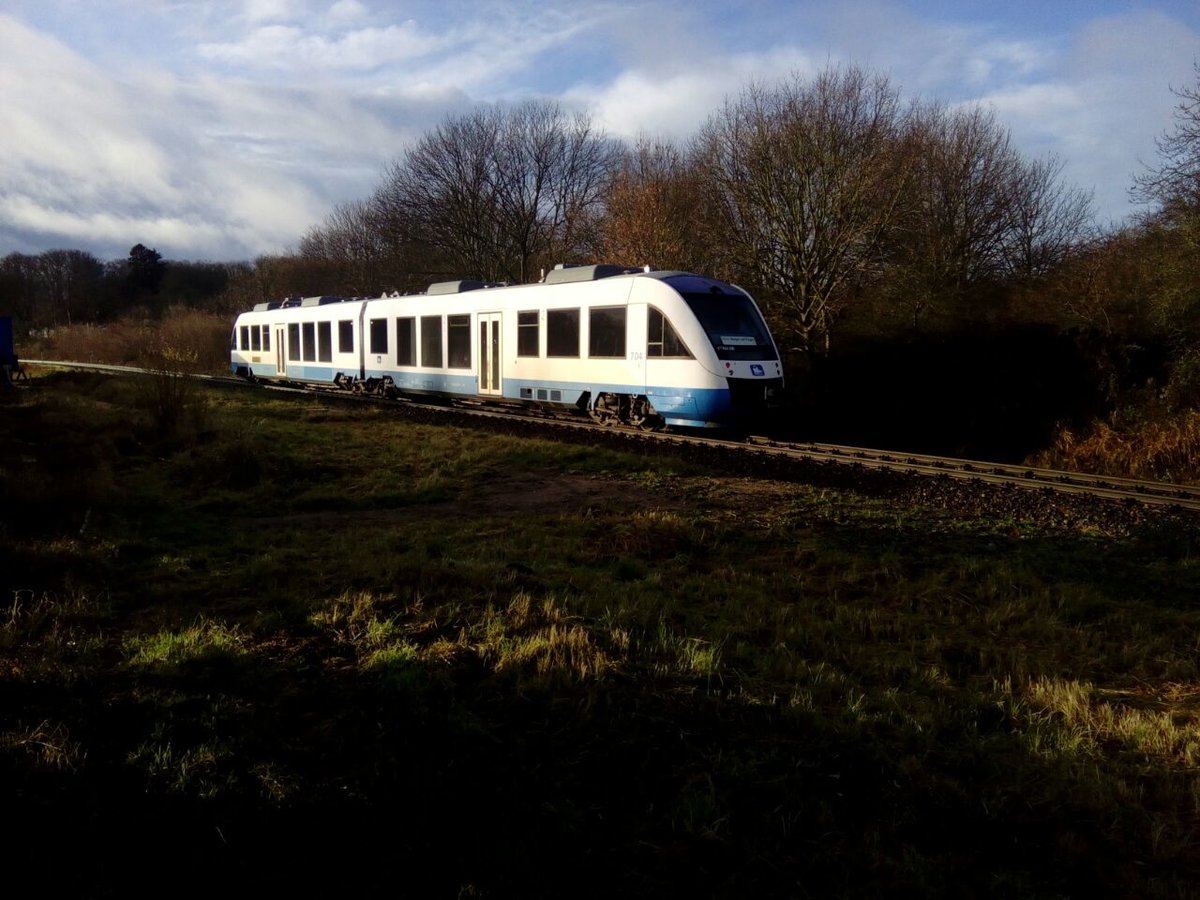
x=824 y=197
x=66 y=287
x=855 y=217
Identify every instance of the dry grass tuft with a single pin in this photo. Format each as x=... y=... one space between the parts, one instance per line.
x=1167 y=450
x=201 y=338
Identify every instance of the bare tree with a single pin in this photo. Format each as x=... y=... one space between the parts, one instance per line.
x=67 y=282
x=977 y=213
x=19 y=288
x=442 y=190
x=501 y=191
x=350 y=247
x=960 y=214
x=1049 y=220
x=651 y=213
x=1175 y=183
x=806 y=184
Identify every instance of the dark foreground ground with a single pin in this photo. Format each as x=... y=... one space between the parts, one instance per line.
x=289 y=647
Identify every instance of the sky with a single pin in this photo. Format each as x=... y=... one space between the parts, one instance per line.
x=220 y=130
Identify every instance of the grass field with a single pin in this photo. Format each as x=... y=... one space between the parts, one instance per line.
x=290 y=646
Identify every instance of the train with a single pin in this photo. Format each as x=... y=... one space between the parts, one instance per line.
x=622 y=345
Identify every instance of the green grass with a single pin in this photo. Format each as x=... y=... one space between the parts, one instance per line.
x=320 y=649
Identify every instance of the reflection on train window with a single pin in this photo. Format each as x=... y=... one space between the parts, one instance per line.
x=379 y=336
x=562 y=332
x=431 y=342
x=266 y=330
x=310 y=343
x=406 y=341
x=255 y=338
x=324 y=342
x=527 y=334
x=606 y=332
x=662 y=340
x=345 y=336
x=458 y=342
x=245 y=342
x=294 y=341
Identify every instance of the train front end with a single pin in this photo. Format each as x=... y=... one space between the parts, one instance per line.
x=735 y=376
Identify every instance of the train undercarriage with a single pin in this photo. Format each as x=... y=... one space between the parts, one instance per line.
x=635 y=411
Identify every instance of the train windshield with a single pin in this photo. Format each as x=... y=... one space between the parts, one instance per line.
x=733 y=324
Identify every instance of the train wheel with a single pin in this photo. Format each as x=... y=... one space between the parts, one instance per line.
x=643 y=416
x=602 y=411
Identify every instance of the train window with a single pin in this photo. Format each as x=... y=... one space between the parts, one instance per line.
x=606 y=332
x=562 y=332
x=662 y=340
x=294 y=341
x=245 y=345
x=266 y=330
x=528 y=343
x=345 y=336
x=732 y=323
x=431 y=342
x=255 y=338
x=324 y=342
x=379 y=336
x=406 y=341
x=309 y=346
x=458 y=342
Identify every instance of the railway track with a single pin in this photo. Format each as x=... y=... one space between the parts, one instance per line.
x=1101 y=486
x=756 y=450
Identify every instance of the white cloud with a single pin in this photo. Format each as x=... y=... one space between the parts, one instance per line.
x=67 y=124
x=1105 y=102
x=290 y=48
x=91 y=161
x=346 y=11
x=259 y=11
x=228 y=130
x=676 y=105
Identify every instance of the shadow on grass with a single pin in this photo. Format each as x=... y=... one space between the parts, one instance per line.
x=278 y=771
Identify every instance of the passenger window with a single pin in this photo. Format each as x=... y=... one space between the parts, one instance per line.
x=255 y=338
x=562 y=332
x=406 y=341
x=379 y=343
x=324 y=342
x=266 y=330
x=528 y=342
x=662 y=340
x=294 y=341
x=245 y=344
x=310 y=344
x=606 y=332
x=431 y=342
x=458 y=341
x=345 y=336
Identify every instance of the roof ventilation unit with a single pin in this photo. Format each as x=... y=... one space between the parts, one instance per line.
x=455 y=287
x=564 y=273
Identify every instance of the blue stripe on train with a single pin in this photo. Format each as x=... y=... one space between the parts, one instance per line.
x=688 y=407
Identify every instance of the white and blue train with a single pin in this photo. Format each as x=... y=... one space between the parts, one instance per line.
x=639 y=347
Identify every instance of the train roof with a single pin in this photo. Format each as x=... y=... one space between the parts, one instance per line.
x=561 y=274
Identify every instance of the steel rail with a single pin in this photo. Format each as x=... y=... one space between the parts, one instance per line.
x=1112 y=487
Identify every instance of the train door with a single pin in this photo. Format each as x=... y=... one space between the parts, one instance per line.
x=489 y=354
x=281 y=350
x=636 y=335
